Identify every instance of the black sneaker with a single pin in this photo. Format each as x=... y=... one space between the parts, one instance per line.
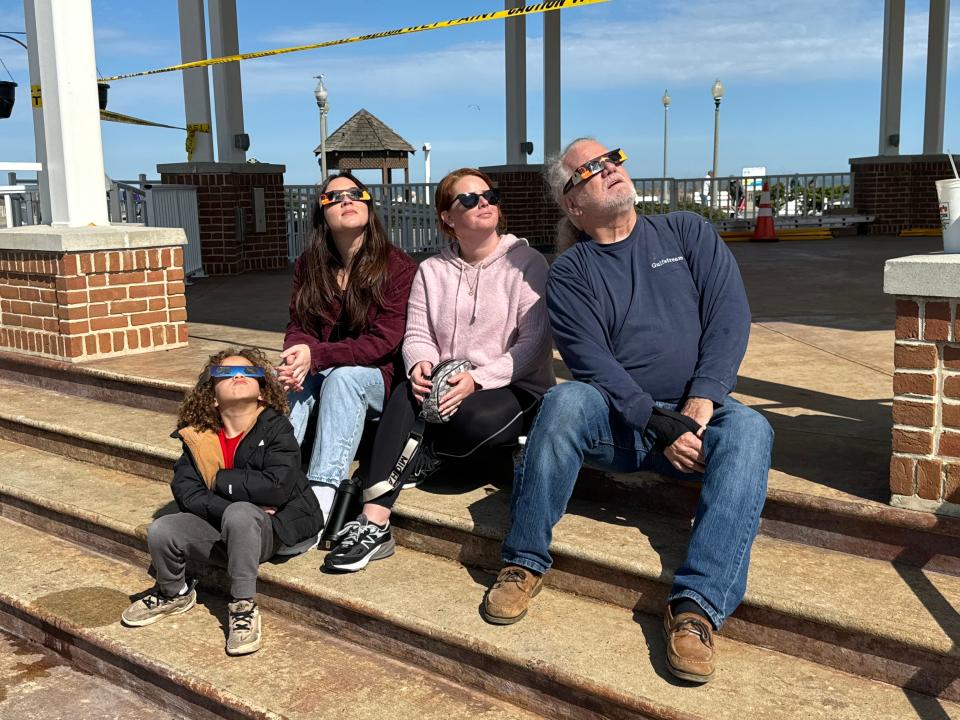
x=424 y=465
x=358 y=543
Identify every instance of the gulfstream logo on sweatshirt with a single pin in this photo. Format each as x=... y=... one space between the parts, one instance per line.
x=658 y=263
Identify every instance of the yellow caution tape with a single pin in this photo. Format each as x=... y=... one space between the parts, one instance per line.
x=191 y=143
x=483 y=17
x=192 y=129
x=921 y=232
x=130 y=120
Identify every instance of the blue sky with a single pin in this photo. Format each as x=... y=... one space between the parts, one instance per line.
x=802 y=81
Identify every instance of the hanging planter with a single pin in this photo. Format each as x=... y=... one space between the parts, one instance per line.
x=102 y=88
x=8 y=94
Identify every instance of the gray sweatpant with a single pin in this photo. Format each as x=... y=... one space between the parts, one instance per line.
x=246 y=540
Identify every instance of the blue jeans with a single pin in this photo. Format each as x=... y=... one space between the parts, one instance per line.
x=344 y=397
x=574 y=425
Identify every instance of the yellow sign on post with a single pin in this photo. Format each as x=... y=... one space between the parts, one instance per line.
x=35 y=99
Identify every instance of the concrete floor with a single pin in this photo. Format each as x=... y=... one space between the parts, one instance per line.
x=38 y=684
x=819 y=364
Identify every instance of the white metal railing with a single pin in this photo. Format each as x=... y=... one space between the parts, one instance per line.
x=794 y=195
x=175 y=206
x=406 y=211
x=19 y=198
x=126 y=202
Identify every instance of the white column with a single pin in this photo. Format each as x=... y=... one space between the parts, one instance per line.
x=40 y=149
x=196 y=82
x=515 y=57
x=551 y=83
x=227 y=93
x=935 y=107
x=71 y=112
x=891 y=82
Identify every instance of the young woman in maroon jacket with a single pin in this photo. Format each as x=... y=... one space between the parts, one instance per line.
x=347 y=318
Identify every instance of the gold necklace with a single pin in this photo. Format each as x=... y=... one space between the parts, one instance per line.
x=473 y=285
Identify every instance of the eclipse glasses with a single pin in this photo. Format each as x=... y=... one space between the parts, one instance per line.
x=593 y=167
x=332 y=197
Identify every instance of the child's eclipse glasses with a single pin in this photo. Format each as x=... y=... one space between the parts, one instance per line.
x=333 y=197
x=470 y=200
x=218 y=372
x=593 y=167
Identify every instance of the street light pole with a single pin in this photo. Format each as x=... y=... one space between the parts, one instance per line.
x=321 y=94
x=717 y=92
x=666 y=106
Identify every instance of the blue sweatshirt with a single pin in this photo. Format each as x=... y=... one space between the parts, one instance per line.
x=659 y=315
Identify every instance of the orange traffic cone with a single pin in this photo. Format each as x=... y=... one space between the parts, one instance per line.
x=764 y=231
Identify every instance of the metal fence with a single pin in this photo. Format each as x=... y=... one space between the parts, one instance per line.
x=406 y=212
x=19 y=202
x=175 y=206
x=793 y=196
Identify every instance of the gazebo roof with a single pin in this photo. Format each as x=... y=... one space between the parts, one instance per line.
x=365 y=133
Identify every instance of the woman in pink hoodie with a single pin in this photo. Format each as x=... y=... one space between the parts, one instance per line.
x=482 y=299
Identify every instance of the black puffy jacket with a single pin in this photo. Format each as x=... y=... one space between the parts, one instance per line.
x=266 y=472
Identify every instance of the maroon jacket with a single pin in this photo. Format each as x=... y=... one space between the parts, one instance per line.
x=379 y=346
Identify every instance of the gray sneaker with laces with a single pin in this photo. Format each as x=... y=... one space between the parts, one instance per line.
x=358 y=543
x=244 y=637
x=155 y=606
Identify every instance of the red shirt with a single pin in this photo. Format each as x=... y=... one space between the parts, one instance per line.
x=228 y=446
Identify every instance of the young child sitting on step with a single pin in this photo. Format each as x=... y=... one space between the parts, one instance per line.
x=241 y=493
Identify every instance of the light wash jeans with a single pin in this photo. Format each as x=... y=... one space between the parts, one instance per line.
x=574 y=425
x=344 y=398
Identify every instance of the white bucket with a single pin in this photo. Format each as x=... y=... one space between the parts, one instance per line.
x=948 y=195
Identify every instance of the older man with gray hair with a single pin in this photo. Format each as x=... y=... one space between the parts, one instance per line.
x=651 y=317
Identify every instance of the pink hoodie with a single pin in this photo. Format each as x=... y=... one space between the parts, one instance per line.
x=493 y=314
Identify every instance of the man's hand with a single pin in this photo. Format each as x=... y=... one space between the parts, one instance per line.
x=463 y=385
x=294 y=366
x=420 y=379
x=699 y=409
x=686 y=453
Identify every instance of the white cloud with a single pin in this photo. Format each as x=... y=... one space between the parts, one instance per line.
x=748 y=41
x=472 y=69
x=783 y=43
x=315 y=33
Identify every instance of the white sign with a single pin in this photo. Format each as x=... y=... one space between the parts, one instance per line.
x=756 y=173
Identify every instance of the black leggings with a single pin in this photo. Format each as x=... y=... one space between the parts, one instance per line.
x=485 y=420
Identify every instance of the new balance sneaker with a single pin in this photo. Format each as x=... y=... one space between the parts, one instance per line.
x=425 y=464
x=358 y=543
x=155 y=606
x=244 y=637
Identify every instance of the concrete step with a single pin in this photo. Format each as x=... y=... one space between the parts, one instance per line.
x=38 y=684
x=884 y=621
x=135 y=439
x=68 y=598
x=572 y=657
x=132 y=439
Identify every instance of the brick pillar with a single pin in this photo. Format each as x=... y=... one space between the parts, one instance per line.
x=925 y=467
x=898 y=190
x=76 y=304
x=235 y=236
x=525 y=201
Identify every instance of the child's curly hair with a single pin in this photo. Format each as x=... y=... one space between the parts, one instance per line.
x=197 y=409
